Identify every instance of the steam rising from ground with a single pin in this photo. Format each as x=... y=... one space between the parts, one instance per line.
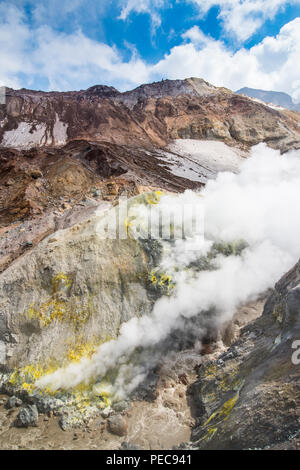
x=260 y=205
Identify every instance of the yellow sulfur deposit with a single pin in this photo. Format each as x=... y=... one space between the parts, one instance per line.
x=153 y=198
x=211 y=431
x=83 y=395
x=224 y=410
x=57 y=310
x=104 y=391
x=228 y=406
x=26 y=377
x=60 y=281
x=81 y=350
x=162 y=280
x=210 y=371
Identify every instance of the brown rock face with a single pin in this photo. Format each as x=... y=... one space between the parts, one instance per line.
x=117 y=425
x=42 y=190
x=34 y=180
x=149 y=115
x=62 y=154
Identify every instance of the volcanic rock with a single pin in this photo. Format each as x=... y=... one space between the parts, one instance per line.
x=249 y=397
x=28 y=416
x=150 y=115
x=13 y=402
x=117 y=425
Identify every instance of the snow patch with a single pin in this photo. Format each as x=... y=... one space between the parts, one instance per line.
x=29 y=134
x=199 y=160
x=60 y=132
x=24 y=136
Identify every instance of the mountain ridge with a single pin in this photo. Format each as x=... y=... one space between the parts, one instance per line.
x=277 y=98
x=100 y=87
x=150 y=115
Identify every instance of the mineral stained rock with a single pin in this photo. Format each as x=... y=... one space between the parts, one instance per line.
x=249 y=397
x=65 y=160
x=28 y=416
x=71 y=293
x=150 y=115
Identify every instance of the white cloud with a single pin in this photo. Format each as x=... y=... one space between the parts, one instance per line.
x=48 y=10
x=64 y=59
x=272 y=64
x=32 y=55
x=243 y=18
x=14 y=45
x=67 y=61
x=240 y=18
x=151 y=7
x=56 y=12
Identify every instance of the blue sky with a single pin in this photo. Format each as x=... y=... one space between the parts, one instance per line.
x=74 y=44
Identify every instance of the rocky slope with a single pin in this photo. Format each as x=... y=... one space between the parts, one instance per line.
x=42 y=190
x=65 y=160
x=62 y=154
x=73 y=291
x=249 y=397
x=149 y=115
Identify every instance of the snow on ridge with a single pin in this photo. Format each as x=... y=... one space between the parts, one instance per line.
x=270 y=105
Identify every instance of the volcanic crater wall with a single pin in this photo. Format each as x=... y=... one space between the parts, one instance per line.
x=150 y=115
x=70 y=293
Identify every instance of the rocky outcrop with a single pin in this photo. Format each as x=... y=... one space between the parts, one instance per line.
x=151 y=115
x=249 y=397
x=28 y=416
x=42 y=190
x=172 y=88
x=36 y=180
x=117 y=425
x=72 y=292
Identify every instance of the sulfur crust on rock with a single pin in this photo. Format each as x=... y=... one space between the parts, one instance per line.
x=82 y=396
x=57 y=308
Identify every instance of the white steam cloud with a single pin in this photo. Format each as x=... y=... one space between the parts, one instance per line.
x=259 y=205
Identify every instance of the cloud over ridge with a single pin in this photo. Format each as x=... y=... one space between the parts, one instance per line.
x=36 y=52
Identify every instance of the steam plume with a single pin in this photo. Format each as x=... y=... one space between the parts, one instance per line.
x=259 y=205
